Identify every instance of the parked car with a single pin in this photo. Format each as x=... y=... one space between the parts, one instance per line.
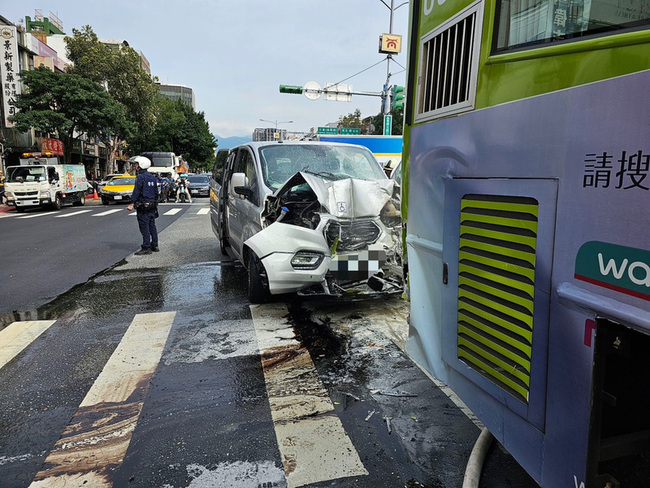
x=314 y=218
x=199 y=185
x=103 y=181
x=118 y=189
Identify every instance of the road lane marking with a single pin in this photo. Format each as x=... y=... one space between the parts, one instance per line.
x=42 y=214
x=173 y=211
x=203 y=211
x=108 y=212
x=312 y=441
x=72 y=213
x=18 y=335
x=96 y=440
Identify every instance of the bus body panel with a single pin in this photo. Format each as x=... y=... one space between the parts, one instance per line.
x=591 y=143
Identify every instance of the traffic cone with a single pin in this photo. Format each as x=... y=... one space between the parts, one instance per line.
x=95 y=195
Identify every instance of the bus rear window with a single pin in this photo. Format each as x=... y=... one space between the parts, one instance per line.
x=532 y=22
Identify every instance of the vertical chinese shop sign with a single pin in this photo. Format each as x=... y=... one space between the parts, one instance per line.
x=9 y=71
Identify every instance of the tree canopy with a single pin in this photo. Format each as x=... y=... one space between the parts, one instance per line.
x=64 y=104
x=180 y=129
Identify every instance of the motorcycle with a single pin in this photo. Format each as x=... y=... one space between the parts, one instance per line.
x=182 y=194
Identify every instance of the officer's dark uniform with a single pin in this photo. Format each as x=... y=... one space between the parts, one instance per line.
x=144 y=199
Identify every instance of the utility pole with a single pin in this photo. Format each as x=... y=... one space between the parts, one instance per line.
x=389 y=44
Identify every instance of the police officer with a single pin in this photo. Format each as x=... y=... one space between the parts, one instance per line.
x=145 y=200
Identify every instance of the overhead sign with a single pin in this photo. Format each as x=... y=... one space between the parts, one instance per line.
x=350 y=131
x=328 y=130
x=312 y=90
x=390 y=44
x=338 y=92
x=9 y=70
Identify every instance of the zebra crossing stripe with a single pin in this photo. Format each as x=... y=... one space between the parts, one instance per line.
x=70 y=214
x=173 y=211
x=203 y=211
x=312 y=441
x=96 y=440
x=107 y=212
x=33 y=215
x=18 y=335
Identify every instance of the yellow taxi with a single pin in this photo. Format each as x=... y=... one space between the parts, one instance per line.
x=118 y=189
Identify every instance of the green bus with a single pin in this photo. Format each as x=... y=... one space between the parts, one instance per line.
x=526 y=200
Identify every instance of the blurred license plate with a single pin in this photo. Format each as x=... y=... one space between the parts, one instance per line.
x=118 y=197
x=194 y=191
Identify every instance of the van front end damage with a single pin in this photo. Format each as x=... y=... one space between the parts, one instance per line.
x=324 y=237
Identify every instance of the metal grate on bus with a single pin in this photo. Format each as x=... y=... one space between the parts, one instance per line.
x=496 y=285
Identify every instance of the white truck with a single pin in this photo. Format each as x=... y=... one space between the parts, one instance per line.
x=42 y=181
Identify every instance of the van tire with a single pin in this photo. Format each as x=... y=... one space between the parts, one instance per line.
x=258 y=291
x=81 y=202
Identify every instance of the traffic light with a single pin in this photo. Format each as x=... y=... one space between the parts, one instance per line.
x=396 y=97
x=296 y=90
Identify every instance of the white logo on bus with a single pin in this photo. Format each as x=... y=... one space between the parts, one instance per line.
x=429 y=4
x=619 y=271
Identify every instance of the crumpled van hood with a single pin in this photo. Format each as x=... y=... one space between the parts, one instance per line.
x=348 y=198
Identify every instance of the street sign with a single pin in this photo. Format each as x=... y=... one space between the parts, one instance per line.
x=312 y=90
x=338 y=92
x=350 y=131
x=328 y=130
x=390 y=44
x=388 y=125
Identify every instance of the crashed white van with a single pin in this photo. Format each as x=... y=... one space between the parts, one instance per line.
x=312 y=218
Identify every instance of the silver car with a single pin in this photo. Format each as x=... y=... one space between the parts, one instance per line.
x=310 y=217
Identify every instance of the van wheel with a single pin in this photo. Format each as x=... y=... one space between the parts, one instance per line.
x=81 y=202
x=258 y=290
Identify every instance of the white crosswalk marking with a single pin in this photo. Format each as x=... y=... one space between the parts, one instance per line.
x=300 y=406
x=40 y=214
x=59 y=214
x=18 y=335
x=98 y=436
x=72 y=213
x=108 y=212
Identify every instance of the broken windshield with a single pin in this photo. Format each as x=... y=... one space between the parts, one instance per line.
x=329 y=161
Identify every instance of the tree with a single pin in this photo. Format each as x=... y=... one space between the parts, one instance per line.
x=183 y=131
x=63 y=104
x=397 y=122
x=352 y=120
x=121 y=73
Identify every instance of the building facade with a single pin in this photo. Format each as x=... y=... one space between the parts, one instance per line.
x=178 y=92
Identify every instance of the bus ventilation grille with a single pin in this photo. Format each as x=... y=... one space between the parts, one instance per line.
x=447 y=68
x=496 y=284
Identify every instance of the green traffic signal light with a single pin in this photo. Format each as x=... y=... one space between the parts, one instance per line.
x=397 y=97
x=296 y=90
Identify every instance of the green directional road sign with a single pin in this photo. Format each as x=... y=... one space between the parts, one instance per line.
x=388 y=125
x=328 y=130
x=350 y=131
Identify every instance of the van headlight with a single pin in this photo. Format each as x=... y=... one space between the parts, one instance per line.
x=307 y=260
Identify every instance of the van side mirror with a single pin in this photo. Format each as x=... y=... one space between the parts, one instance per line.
x=244 y=191
x=237 y=179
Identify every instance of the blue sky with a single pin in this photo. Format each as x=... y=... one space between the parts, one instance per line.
x=236 y=53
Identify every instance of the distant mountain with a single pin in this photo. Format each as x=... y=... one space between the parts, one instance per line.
x=230 y=142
